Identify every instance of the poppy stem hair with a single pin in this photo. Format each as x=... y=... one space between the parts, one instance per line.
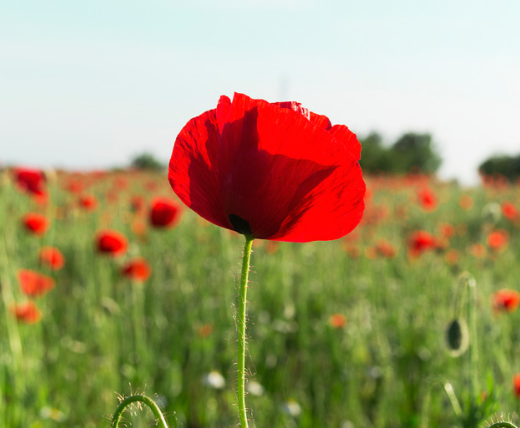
x=242 y=312
x=139 y=398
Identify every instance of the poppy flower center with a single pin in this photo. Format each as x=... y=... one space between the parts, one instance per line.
x=240 y=225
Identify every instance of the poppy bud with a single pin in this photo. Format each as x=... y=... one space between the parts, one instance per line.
x=457 y=337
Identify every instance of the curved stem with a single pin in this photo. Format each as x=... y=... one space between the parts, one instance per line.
x=161 y=422
x=242 y=314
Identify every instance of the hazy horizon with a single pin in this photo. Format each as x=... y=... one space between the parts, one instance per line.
x=91 y=85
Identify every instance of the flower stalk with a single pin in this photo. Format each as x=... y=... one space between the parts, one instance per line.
x=139 y=398
x=242 y=322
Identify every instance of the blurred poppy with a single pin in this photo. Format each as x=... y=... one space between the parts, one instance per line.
x=478 y=250
x=37 y=224
x=509 y=211
x=466 y=202
x=427 y=199
x=87 y=202
x=74 y=186
x=31 y=181
x=51 y=257
x=164 y=213
x=271 y=247
x=205 y=330
x=498 y=240
x=33 y=283
x=421 y=241
x=385 y=249
x=506 y=300
x=137 y=203
x=111 y=242
x=452 y=257
x=137 y=269
x=516 y=385
x=447 y=230
x=27 y=313
x=338 y=320
x=269 y=171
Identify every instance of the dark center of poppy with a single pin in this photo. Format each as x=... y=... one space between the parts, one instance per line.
x=240 y=225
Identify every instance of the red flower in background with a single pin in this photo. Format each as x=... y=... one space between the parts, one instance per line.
x=27 y=313
x=137 y=203
x=506 y=300
x=137 y=270
x=509 y=211
x=31 y=181
x=466 y=202
x=478 y=250
x=421 y=241
x=427 y=199
x=35 y=223
x=51 y=257
x=33 y=283
x=386 y=249
x=269 y=171
x=447 y=230
x=88 y=202
x=164 y=213
x=338 y=320
x=498 y=240
x=516 y=385
x=111 y=242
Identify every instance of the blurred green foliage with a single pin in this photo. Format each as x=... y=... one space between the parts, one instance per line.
x=505 y=165
x=146 y=161
x=410 y=153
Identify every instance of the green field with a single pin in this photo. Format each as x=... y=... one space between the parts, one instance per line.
x=101 y=334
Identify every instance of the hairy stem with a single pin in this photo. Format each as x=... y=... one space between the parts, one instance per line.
x=161 y=422
x=242 y=314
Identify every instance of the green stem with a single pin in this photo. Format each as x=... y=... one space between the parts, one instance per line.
x=242 y=314
x=161 y=422
x=472 y=315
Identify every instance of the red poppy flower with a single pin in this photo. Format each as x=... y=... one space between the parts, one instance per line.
x=27 y=313
x=33 y=283
x=447 y=230
x=478 y=250
x=506 y=300
x=509 y=211
x=51 y=257
x=164 y=213
x=427 y=199
x=516 y=385
x=88 y=202
x=31 y=181
x=385 y=249
x=137 y=203
x=269 y=171
x=421 y=241
x=111 y=242
x=466 y=202
x=338 y=320
x=498 y=240
x=137 y=269
x=452 y=257
x=35 y=223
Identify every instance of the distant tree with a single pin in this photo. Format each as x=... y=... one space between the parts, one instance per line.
x=415 y=152
x=146 y=161
x=505 y=165
x=411 y=152
x=375 y=158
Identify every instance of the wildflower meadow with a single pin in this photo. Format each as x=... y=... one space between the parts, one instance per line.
x=112 y=288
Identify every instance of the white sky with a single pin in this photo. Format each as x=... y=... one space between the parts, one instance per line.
x=87 y=84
